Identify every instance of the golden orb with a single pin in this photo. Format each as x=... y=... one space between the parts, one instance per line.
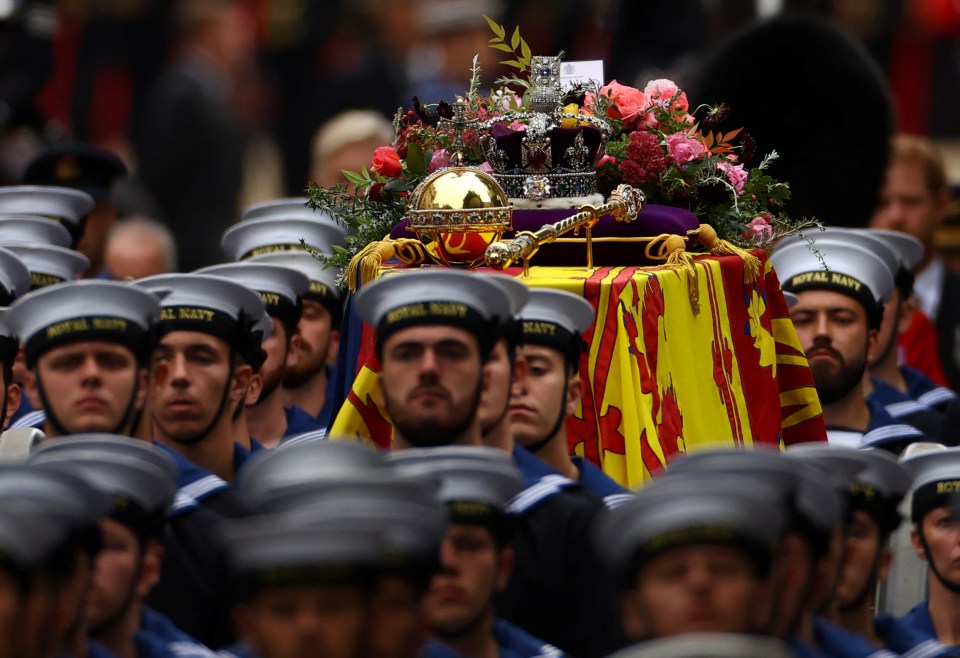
x=457 y=213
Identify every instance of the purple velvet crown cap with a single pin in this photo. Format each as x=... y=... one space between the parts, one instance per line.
x=510 y=142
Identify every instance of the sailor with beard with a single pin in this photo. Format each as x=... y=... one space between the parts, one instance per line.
x=841 y=288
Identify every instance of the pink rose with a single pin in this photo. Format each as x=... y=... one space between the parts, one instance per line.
x=628 y=104
x=516 y=125
x=683 y=148
x=605 y=160
x=485 y=167
x=759 y=229
x=386 y=162
x=664 y=90
x=735 y=174
x=440 y=159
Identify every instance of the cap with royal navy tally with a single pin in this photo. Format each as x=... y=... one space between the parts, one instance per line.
x=67 y=205
x=279 y=286
x=556 y=319
x=851 y=270
x=474 y=480
x=213 y=305
x=84 y=310
x=76 y=165
x=49 y=264
x=936 y=481
x=678 y=510
x=323 y=280
x=14 y=277
x=290 y=208
x=128 y=470
x=256 y=237
x=463 y=299
x=33 y=229
x=273 y=550
x=709 y=645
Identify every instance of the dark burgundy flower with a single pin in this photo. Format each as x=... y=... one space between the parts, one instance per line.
x=716 y=116
x=444 y=110
x=374 y=192
x=749 y=148
x=644 y=161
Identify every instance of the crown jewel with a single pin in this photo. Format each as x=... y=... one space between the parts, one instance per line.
x=533 y=155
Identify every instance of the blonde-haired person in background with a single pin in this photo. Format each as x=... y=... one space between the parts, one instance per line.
x=347 y=141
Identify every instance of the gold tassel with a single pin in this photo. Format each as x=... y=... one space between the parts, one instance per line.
x=366 y=263
x=718 y=247
x=680 y=259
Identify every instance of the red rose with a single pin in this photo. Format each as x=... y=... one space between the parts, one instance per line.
x=375 y=192
x=386 y=162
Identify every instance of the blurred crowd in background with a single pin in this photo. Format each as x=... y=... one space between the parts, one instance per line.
x=214 y=105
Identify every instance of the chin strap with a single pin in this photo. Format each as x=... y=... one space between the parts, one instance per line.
x=196 y=438
x=538 y=445
x=933 y=568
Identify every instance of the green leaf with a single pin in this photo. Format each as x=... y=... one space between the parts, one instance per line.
x=352 y=176
x=502 y=46
x=515 y=64
x=496 y=27
x=515 y=39
x=416 y=162
x=525 y=51
x=398 y=185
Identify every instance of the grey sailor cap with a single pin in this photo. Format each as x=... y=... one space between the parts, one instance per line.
x=555 y=318
x=936 y=481
x=62 y=203
x=14 y=277
x=280 y=287
x=684 y=509
x=33 y=229
x=121 y=467
x=709 y=645
x=290 y=208
x=214 y=305
x=49 y=264
x=444 y=296
x=256 y=237
x=471 y=475
x=90 y=309
x=322 y=280
x=60 y=494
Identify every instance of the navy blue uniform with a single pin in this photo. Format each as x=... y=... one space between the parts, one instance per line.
x=299 y=422
x=883 y=432
x=905 y=638
x=904 y=408
x=599 y=483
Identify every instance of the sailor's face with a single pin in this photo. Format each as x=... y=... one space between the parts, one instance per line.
x=90 y=386
x=300 y=621
x=705 y=588
x=319 y=341
x=542 y=395
x=862 y=556
x=941 y=530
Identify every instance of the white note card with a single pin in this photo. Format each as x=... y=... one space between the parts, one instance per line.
x=572 y=73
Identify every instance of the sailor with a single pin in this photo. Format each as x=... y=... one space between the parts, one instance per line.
x=281 y=289
x=275 y=238
x=552 y=325
x=714 y=645
x=304 y=582
x=210 y=332
x=34 y=229
x=476 y=558
x=351 y=481
x=86 y=345
x=140 y=480
x=294 y=208
x=14 y=281
x=934 y=513
x=841 y=288
x=694 y=555
x=435 y=332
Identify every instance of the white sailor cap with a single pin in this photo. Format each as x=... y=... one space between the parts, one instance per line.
x=90 y=309
x=65 y=204
x=800 y=481
x=213 y=305
x=298 y=547
x=678 y=510
x=900 y=251
x=709 y=645
x=130 y=471
x=476 y=482
x=274 y=474
x=936 y=481
x=516 y=290
x=557 y=319
x=323 y=280
x=464 y=299
x=57 y=493
x=48 y=264
x=33 y=229
x=14 y=277
x=281 y=287
x=851 y=269
x=291 y=208
x=268 y=235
